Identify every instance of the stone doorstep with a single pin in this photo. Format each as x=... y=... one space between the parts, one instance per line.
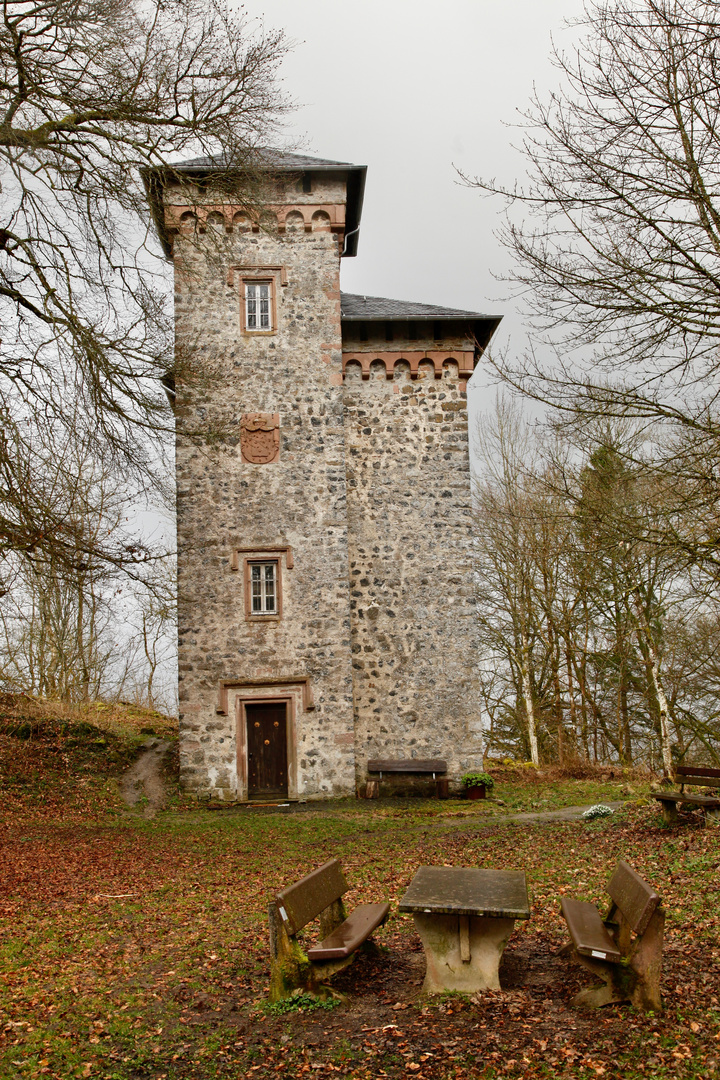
x=250 y=804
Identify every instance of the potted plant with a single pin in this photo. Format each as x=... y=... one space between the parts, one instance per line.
x=477 y=784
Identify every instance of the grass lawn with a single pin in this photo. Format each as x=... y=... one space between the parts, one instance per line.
x=134 y=947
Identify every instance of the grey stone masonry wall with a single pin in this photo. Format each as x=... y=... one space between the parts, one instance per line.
x=228 y=508
x=413 y=619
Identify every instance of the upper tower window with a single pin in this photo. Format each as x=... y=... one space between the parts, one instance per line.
x=263 y=588
x=258 y=306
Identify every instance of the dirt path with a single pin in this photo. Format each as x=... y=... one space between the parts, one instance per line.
x=467 y=822
x=144 y=782
x=567 y=813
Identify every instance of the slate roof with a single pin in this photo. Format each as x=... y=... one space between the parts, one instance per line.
x=276 y=159
x=354 y=306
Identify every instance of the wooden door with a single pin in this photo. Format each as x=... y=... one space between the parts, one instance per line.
x=267 y=748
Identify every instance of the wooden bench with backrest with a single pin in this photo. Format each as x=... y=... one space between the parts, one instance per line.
x=698 y=776
x=316 y=896
x=625 y=948
x=434 y=767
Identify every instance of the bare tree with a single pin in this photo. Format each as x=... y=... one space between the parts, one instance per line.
x=617 y=232
x=92 y=92
x=504 y=563
x=56 y=617
x=596 y=640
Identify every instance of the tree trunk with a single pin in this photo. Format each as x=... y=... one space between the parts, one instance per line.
x=652 y=664
x=654 y=671
x=527 y=697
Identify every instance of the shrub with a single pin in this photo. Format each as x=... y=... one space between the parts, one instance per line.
x=477 y=779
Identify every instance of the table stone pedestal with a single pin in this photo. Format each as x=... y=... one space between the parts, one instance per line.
x=462 y=951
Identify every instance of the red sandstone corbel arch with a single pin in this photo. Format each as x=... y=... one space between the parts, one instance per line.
x=294 y=221
x=241 y=222
x=321 y=222
x=216 y=220
x=352 y=370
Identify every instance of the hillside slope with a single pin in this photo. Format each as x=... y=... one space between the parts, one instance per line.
x=55 y=756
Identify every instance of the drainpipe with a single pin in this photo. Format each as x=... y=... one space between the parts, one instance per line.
x=347 y=237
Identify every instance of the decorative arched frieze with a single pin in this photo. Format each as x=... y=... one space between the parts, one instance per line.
x=438 y=362
x=292 y=219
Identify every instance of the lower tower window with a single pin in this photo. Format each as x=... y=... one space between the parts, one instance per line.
x=263 y=579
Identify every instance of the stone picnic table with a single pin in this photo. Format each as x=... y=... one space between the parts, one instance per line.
x=464 y=917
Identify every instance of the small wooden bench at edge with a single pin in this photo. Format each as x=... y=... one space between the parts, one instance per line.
x=689 y=774
x=418 y=766
x=629 y=966
x=318 y=894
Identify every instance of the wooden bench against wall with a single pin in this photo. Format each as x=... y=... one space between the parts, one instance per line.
x=318 y=895
x=625 y=948
x=434 y=767
x=699 y=776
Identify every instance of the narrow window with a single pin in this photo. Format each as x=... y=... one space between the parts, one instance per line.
x=263 y=588
x=258 y=309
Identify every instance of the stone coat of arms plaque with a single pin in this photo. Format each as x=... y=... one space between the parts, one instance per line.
x=260 y=438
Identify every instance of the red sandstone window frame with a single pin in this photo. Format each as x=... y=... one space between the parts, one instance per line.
x=262 y=591
x=263 y=307
x=274 y=276
x=262 y=278
x=260 y=555
x=262 y=616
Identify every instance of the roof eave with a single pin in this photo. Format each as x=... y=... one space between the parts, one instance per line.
x=152 y=181
x=484 y=326
x=460 y=316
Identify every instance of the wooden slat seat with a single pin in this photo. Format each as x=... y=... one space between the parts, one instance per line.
x=302 y=902
x=698 y=776
x=350 y=935
x=625 y=948
x=316 y=896
x=589 y=933
x=434 y=766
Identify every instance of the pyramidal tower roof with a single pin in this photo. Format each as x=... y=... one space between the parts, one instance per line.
x=263 y=160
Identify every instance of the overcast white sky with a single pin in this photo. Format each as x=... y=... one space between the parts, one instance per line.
x=410 y=89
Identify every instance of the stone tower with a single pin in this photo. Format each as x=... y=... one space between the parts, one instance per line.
x=325 y=586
